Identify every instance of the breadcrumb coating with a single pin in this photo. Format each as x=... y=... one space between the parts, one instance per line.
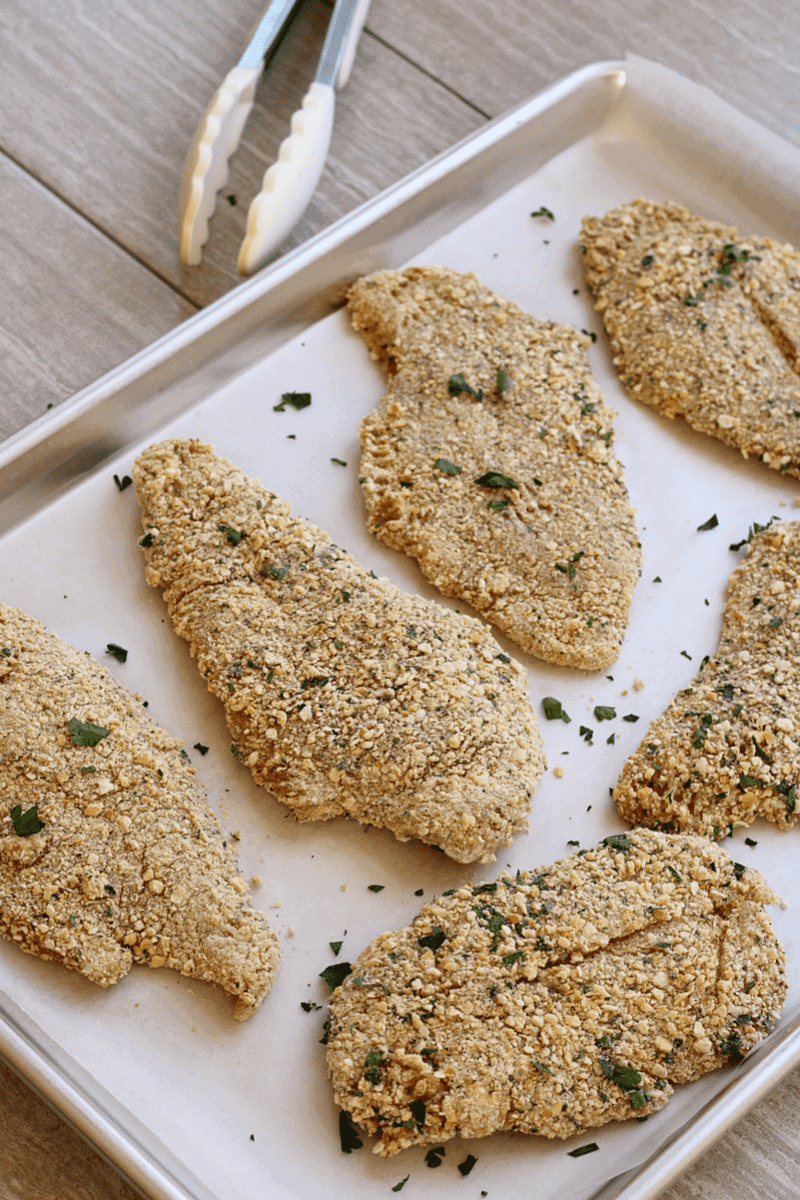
x=479 y=392
x=343 y=695
x=130 y=865
x=560 y=999
x=704 y=323
x=727 y=750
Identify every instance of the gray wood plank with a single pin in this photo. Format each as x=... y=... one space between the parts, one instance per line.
x=80 y=304
x=496 y=54
x=100 y=101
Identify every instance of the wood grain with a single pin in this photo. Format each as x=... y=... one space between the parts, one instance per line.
x=80 y=304
x=118 y=120
x=495 y=55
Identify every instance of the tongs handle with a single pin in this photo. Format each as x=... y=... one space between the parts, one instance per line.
x=290 y=182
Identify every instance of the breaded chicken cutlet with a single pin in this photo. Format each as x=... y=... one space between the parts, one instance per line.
x=560 y=999
x=489 y=461
x=704 y=323
x=109 y=852
x=343 y=695
x=727 y=749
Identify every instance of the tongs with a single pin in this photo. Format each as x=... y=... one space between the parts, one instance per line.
x=289 y=183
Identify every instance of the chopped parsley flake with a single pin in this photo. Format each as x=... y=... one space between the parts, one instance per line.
x=448 y=468
x=340 y=462
x=495 y=479
x=270 y=572
x=466 y=1166
x=199 y=746
x=498 y=505
x=434 y=1156
x=553 y=710
x=335 y=974
x=335 y=946
x=376 y=887
x=310 y=1006
x=457 y=384
x=26 y=823
x=579 y=1152
x=603 y=713
x=617 y=841
x=433 y=940
x=752 y=531
x=418 y=1113
x=146 y=541
x=543 y=212
x=398 y=1187
x=234 y=536
x=348 y=1133
x=117 y=652
x=711 y=523
x=631 y=717
x=501 y=382
x=83 y=733
x=297 y=400
x=123 y=483
x=748 y=841
x=503 y=658
x=586 y=733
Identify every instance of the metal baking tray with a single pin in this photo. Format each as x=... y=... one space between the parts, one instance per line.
x=153 y=1072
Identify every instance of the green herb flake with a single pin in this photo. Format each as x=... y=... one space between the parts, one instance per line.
x=398 y=1187
x=335 y=946
x=495 y=479
x=603 y=713
x=579 y=1152
x=123 y=483
x=617 y=841
x=611 y=739
x=685 y=655
x=468 y=1164
x=647 y=263
x=146 y=541
x=335 y=974
x=341 y=463
x=498 y=505
x=748 y=841
x=310 y=1006
x=586 y=733
x=297 y=400
x=457 y=385
x=625 y=1077
x=448 y=468
x=503 y=658
x=553 y=710
x=631 y=717
x=83 y=733
x=543 y=212
x=418 y=1113
x=776 y=622
x=434 y=1156
x=348 y=1133
x=117 y=652
x=234 y=536
x=501 y=382
x=711 y=523
x=269 y=572
x=26 y=823
x=200 y=747
x=433 y=940
x=376 y=887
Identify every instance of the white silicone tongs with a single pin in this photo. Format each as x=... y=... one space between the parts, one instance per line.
x=289 y=183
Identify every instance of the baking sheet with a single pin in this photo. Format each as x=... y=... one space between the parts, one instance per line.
x=247 y=1109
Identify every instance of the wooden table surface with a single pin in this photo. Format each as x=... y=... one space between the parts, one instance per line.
x=98 y=102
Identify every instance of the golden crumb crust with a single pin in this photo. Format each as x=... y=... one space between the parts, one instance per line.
x=704 y=323
x=130 y=865
x=489 y=461
x=343 y=695
x=559 y=999
x=727 y=749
